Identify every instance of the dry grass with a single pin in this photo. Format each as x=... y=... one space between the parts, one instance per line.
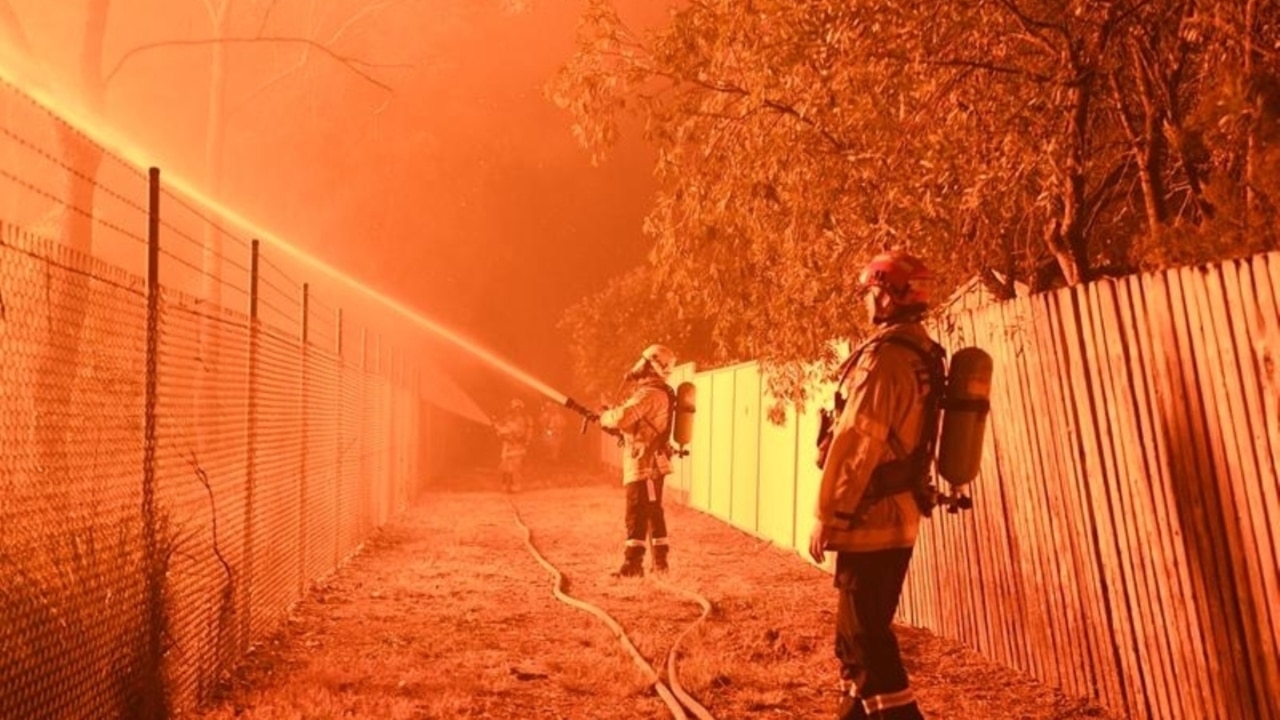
x=74 y=622
x=447 y=615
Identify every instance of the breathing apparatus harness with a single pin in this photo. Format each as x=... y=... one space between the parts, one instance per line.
x=660 y=444
x=907 y=472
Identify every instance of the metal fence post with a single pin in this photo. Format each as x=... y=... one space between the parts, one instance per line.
x=362 y=479
x=419 y=442
x=152 y=557
x=302 y=427
x=425 y=434
x=337 y=443
x=402 y=426
x=251 y=449
x=403 y=442
x=392 y=493
x=379 y=420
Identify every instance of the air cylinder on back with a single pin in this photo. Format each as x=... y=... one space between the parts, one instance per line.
x=686 y=406
x=965 y=406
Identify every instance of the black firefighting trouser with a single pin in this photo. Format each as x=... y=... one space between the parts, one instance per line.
x=869 y=584
x=645 y=517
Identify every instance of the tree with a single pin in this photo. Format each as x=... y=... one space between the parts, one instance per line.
x=608 y=330
x=741 y=229
x=1028 y=137
x=1235 y=121
x=221 y=108
x=72 y=220
x=72 y=223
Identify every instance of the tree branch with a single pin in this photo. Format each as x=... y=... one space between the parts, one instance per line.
x=988 y=66
x=1105 y=191
x=268 y=84
x=778 y=106
x=353 y=64
x=1127 y=122
x=302 y=59
x=1033 y=26
x=364 y=12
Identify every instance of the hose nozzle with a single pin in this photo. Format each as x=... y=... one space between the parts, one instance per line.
x=587 y=415
x=579 y=408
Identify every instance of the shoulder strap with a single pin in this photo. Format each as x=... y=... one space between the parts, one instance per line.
x=671 y=409
x=933 y=359
x=664 y=434
x=851 y=362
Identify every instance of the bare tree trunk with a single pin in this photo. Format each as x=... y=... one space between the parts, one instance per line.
x=67 y=293
x=1062 y=254
x=67 y=297
x=208 y=402
x=1151 y=172
x=1180 y=150
x=215 y=138
x=1148 y=145
x=1251 y=130
x=1066 y=237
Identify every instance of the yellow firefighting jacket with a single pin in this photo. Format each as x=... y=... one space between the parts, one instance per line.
x=642 y=419
x=514 y=431
x=886 y=393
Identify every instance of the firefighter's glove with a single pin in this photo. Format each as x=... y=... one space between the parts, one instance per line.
x=818 y=539
x=588 y=417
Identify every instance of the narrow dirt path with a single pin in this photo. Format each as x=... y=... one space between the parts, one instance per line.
x=444 y=615
x=448 y=615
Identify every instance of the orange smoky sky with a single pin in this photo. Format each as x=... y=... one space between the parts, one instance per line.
x=408 y=143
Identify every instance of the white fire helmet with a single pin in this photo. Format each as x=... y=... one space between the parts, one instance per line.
x=661 y=358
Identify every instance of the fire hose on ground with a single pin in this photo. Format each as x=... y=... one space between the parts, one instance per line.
x=675 y=697
x=674 y=677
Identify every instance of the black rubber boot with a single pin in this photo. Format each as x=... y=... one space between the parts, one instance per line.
x=851 y=708
x=632 y=564
x=660 y=558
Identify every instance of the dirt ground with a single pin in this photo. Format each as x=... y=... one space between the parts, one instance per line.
x=446 y=614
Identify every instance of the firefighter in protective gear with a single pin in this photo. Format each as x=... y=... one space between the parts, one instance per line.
x=514 y=430
x=643 y=420
x=887 y=386
x=551 y=431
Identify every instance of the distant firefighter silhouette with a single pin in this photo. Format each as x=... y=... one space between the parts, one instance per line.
x=515 y=431
x=552 y=427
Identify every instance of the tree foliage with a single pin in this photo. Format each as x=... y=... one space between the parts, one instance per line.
x=607 y=331
x=1051 y=141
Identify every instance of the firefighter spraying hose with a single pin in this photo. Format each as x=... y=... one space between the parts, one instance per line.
x=528 y=380
x=683 y=408
x=588 y=416
x=559 y=398
x=647 y=422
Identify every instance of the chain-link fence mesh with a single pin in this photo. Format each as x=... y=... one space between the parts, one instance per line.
x=170 y=483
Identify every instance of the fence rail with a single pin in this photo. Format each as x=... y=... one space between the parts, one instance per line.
x=173 y=472
x=1125 y=536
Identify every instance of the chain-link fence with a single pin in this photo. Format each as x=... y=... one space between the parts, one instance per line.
x=173 y=473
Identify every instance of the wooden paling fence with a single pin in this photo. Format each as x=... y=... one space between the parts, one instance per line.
x=1124 y=538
